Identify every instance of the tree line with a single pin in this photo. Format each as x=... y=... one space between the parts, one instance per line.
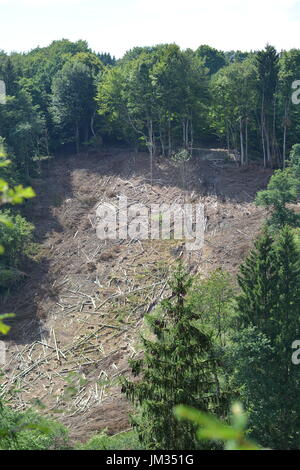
x=160 y=98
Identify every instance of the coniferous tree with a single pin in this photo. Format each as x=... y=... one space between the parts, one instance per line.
x=257 y=279
x=178 y=367
x=286 y=316
x=269 y=309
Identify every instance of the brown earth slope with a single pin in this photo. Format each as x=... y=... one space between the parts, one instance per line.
x=81 y=306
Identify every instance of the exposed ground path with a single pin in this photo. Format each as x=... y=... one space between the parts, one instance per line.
x=82 y=305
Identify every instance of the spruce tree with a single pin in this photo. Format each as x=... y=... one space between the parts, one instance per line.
x=257 y=279
x=178 y=367
x=269 y=308
x=288 y=288
x=285 y=331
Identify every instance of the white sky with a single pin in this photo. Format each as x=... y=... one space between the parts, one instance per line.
x=118 y=25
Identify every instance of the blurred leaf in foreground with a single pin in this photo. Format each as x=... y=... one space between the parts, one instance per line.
x=234 y=436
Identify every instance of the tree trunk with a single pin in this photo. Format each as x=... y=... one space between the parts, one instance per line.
x=228 y=139
x=92 y=124
x=192 y=137
x=274 y=127
x=151 y=147
x=161 y=138
x=77 y=137
x=263 y=130
x=47 y=141
x=169 y=137
x=284 y=135
x=242 y=142
x=246 y=151
x=269 y=156
x=187 y=134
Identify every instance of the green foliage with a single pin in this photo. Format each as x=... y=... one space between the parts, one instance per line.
x=155 y=97
x=159 y=97
x=212 y=300
x=289 y=69
x=4 y=329
x=234 y=104
x=295 y=161
x=15 y=235
x=282 y=189
x=73 y=93
x=15 y=195
x=267 y=62
x=181 y=157
x=125 y=441
x=268 y=68
x=179 y=341
x=256 y=279
x=30 y=431
x=213 y=59
x=212 y=429
x=269 y=309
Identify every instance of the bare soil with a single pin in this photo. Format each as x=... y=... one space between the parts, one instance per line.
x=81 y=306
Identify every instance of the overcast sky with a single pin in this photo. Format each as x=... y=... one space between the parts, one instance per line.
x=118 y=25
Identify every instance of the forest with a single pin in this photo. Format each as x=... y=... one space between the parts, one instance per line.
x=213 y=360
x=65 y=97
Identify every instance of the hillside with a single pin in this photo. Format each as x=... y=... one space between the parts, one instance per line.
x=82 y=304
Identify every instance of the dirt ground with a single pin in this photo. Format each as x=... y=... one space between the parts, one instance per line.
x=80 y=309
